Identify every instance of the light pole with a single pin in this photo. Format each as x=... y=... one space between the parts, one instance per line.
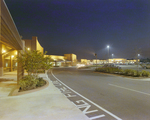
x=108 y=52
x=96 y=60
x=112 y=56
x=138 y=61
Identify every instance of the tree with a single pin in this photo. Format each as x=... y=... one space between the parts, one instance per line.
x=32 y=61
x=46 y=63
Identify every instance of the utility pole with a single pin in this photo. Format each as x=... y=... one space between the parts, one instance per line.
x=96 y=60
x=108 y=52
x=138 y=61
x=137 y=52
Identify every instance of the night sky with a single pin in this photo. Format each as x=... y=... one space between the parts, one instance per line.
x=85 y=27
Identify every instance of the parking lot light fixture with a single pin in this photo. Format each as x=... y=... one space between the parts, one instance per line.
x=108 y=52
x=96 y=60
x=112 y=56
x=138 y=61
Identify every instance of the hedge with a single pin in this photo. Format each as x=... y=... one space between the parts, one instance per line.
x=126 y=72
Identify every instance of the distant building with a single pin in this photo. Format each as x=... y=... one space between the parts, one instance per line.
x=117 y=60
x=71 y=57
x=114 y=60
x=66 y=60
x=57 y=60
x=85 y=61
x=33 y=44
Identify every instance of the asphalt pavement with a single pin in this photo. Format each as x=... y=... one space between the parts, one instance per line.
x=102 y=96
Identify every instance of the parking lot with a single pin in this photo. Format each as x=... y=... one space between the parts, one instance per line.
x=134 y=67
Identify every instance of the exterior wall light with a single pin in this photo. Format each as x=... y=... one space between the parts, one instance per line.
x=28 y=48
x=3 y=51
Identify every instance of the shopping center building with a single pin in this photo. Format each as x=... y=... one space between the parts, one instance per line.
x=33 y=44
x=114 y=60
x=66 y=60
x=11 y=46
x=10 y=43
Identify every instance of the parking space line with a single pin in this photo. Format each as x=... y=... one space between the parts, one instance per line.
x=129 y=89
x=116 y=117
x=100 y=116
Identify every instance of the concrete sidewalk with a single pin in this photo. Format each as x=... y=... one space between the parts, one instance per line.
x=45 y=104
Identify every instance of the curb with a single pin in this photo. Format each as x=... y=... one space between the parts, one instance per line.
x=15 y=92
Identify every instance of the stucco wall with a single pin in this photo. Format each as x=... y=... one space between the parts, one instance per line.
x=39 y=47
x=33 y=44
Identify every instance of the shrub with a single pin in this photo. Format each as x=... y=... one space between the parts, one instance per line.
x=126 y=71
x=132 y=72
x=116 y=70
x=145 y=73
x=40 y=71
x=108 y=70
x=113 y=70
x=129 y=72
x=34 y=60
x=99 y=70
x=137 y=73
x=41 y=82
x=121 y=72
x=28 y=82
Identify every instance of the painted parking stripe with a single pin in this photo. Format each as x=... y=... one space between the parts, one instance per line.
x=100 y=116
x=87 y=99
x=129 y=89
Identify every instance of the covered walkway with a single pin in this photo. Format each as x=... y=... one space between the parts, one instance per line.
x=10 y=43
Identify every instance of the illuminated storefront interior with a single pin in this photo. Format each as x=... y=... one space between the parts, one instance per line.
x=66 y=60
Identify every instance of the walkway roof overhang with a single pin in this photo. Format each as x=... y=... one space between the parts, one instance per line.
x=9 y=34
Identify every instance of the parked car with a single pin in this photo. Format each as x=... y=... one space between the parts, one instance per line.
x=111 y=65
x=80 y=65
x=145 y=66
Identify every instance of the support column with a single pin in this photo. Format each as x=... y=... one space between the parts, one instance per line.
x=1 y=56
x=11 y=63
x=1 y=65
x=20 y=70
x=1 y=61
